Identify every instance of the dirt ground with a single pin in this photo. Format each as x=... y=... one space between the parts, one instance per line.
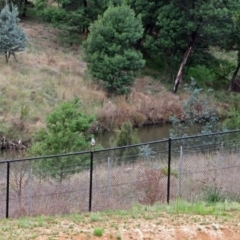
x=125 y=225
x=166 y=226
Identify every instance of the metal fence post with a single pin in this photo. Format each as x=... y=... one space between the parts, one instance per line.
x=90 y=184
x=108 y=177
x=30 y=193
x=180 y=172
x=7 y=190
x=169 y=169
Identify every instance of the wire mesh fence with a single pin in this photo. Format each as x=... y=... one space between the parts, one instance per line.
x=3 y=177
x=207 y=167
x=123 y=176
x=193 y=168
x=54 y=185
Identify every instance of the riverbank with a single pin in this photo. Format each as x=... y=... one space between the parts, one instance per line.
x=50 y=72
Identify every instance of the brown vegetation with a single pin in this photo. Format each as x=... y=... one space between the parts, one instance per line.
x=48 y=73
x=121 y=186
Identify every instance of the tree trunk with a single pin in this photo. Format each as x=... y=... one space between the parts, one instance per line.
x=7 y=55
x=230 y=87
x=24 y=11
x=180 y=71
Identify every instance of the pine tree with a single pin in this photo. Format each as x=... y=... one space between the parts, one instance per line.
x=12 y=37
x=66 y=131
x=110 y=48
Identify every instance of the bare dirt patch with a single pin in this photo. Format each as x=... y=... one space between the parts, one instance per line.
x=147 y=225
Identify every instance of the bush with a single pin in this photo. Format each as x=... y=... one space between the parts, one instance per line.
x=203 y=76
x=213 y=195
x=126 y=137
x=67 y=131
x=152 y=185
x=54 y=15
x=198 y=108
x=233 y=120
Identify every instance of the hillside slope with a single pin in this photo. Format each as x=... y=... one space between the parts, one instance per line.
x=49 y=72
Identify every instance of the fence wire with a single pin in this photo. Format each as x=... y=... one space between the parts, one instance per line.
x=56 y=185
x=202 y=168
x=3 y=189
x=123 y=177
x=207 y=167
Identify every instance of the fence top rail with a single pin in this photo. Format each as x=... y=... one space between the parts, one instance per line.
x=116 y=148
x=82 y=152
x=204 y=135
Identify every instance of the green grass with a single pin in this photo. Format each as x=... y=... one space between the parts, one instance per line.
x=98 y=232
x=181 y=206
x=95 y=217
x=113 y=222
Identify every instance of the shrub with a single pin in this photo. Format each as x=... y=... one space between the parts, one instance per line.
x=53 y=15
x=198 y=109
x=212 y=194
x=204 y=76
x=125 y=137
x=67 y=130
x=98 y=232
x=152 y=186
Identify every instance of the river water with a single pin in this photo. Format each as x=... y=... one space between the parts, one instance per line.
x=144 y=134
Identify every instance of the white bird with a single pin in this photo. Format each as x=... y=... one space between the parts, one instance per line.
x=93 y=142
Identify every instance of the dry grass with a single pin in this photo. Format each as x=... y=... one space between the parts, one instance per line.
x=48 y=73
x=43 y=77
x=121 y=186
x=177 y=221
x=140 y=108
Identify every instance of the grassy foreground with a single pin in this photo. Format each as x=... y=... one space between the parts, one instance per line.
x=179 y=220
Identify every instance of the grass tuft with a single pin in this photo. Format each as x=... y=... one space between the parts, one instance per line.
x=98 y=232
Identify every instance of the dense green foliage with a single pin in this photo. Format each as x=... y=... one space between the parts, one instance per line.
x=197 y=24
x=233 y=119
x=72 y=15
x=169 y=29
x=126 y=137
x=204 y=75
x=110 y=50
x=12 y=37
x=67 y=131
